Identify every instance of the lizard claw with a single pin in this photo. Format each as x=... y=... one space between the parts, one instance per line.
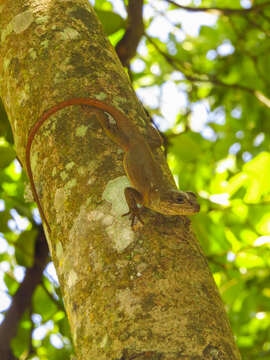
x=133 y=215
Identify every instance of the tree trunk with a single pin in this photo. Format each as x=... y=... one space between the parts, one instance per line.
x=128 y=295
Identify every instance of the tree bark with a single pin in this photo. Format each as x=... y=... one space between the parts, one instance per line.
x=128 y=295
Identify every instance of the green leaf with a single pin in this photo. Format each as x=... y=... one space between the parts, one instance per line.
x=236 y=182
x=4 y=218
x=249 y=260
x=25 y=248
x=263 y=225
x=186 y=146
x=11 y=283
x=232 y=292
x=111 y=21
x=7 y=155
x=5 y=128
x=64 y=326
x=43 y=304
x=210 y=34
x=5 y=257
x=258 y=171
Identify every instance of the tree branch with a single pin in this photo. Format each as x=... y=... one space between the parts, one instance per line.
x=240 y=44
x=258 y=26
x=224 y=11
x=127 y=46
x=208 y=78
x=22 y=299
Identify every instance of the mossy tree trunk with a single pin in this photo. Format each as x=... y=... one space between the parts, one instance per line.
x=146 y=294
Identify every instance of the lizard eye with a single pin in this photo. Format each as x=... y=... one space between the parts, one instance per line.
x=180 y=199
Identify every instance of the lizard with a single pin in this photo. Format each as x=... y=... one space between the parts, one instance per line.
x=149 y=186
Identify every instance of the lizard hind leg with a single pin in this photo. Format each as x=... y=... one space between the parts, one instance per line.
x=154 y=138
x=111 y=129
x=133 y=197
x=152 y=134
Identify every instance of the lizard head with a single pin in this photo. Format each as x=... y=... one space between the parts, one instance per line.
x=176 y=203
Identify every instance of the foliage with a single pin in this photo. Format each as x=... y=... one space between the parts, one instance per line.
x=218 y=146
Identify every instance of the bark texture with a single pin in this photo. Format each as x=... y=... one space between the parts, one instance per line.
x=128 y=295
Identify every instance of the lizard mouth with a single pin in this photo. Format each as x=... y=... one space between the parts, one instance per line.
x=196 y=207
x=176 y=209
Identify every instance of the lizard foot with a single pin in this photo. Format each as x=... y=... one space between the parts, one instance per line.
x=133 y=215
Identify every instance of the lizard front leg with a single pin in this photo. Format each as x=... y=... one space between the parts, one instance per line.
x=133 y=197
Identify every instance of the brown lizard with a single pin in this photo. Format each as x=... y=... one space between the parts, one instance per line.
x=149 y=186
